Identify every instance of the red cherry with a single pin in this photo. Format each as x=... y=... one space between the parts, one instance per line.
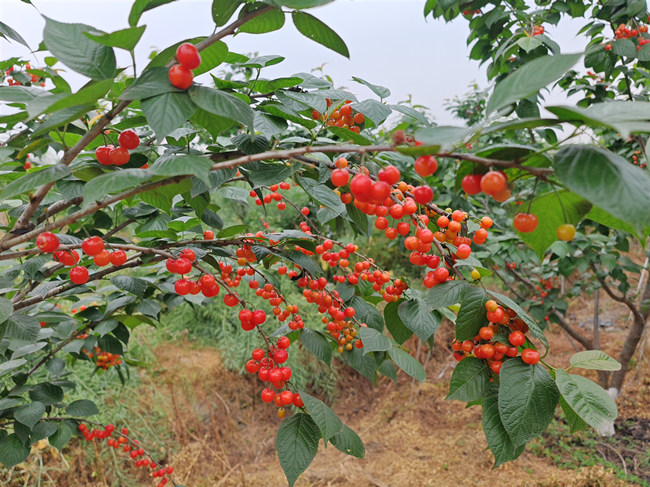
x=441 y=274
x=252 y=366
x=119 y=156
x=47 y=242
x=389 y=174
x=516 y=338
x=118 y=257
x=286 y=397
x=245 y=315
x=92 y=245
x=530 y=356
x=297 y=401
x=258 y=317
x=283 y=342
x=463 y=251
x=67 y=257
x=361 y=186
x=207 y=281
x=258 y=354
x=426 y=165
x=79 y=275
x=379 y=191
x=180 y=77
x=103 y=258
x=423 y=194
x=525 y=222
x=182 y=286
x=340 y=177
x=494 y=182
x=472 y=183
x=129 y=140
x=208 y=235
x=211 y=292
x=280 y=355
x=183 y=265
x=188 y=254
x=102 y=154
x=268 y=395
x=188 y=56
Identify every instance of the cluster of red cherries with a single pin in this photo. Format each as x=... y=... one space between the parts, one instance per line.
x=344 y=117
x=624 y=32
x=109 y=155
x=34 y=79
x=92 y=246
x=129 y=446
x=180 y=75
x=267 y=366
x=484 y=347
x=103 y=359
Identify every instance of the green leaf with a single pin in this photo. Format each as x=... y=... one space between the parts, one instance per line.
x=222 y=104
x=367 y=313
x=267 y=22
x=348 y=442
x=46 y=393
x=373 y=110
x=416 y=316
x=317 y=344
x=179 y=165
x=366 y=365
x=113 y=182
x=440 y=137
x=167 y=112
x=446 y=294
x=141 y=6
x=495 y=433
x=527 y=399
x=469 y=380
x=12 y=451
x=266 y=174
x=529 y=43
x=373 y=341
x=6 y=31
x=624 y=47
x=396 y=327
x=152 y=82
x=222 y=10
x=407 y=363
x=604 y=218
x=61 y=436
x=21 y=326
x=347 y=134
x=211 y=57
x=82 y=408
x=592 y=172
x=594 y=360
x=297 y=445
x=10 y=365
x=317 y=31
x=535 y=329
x=587 y=399
x=326 y=419
x=380 y=91
x=30 y=414
x=124 y=39
x=89 y=94
x=69 y=45
x=130 y=284
x=574 y=421
x=529 y=79
x=6 y=309
x=34 y=179
x=471 y=315
x=551 y=214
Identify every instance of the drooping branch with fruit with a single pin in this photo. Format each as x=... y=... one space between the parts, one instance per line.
x=133 y=214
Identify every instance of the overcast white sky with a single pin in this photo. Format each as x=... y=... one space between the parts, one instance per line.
x=390 y=42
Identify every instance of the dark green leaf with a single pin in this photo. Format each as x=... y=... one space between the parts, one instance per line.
x=82 y=408
x=469 y=380
x=222 y=10
x=211 y=57
x=594 y=360
x=124 y=39
x=592 y=171
x=317 y=344
x=130 y=284
x=529 y=79
x=6 y=309
x=297 y=445
x=367 y=313
x=167 y=112
x=113 y=182
x=380 y=91
x=416 y=316
x=152 y=82
x=314 y=29
x=86 y=95
x=326 y=419
x=222 y=104
x=6 y=31
x=407 y=363
x=141 y=6
x=12 y=451
x=33 y=180
x=30 y=414
x=527 y=399
x=61 y=437
x=446 y=294
x=471 y=315
x=70 y=46
x=396 y=327
x=373 y=341
x=587 y=399
x=574 y=421
x=348 y=442
x=46 y=393
x=495 y=433
x=266 y=22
